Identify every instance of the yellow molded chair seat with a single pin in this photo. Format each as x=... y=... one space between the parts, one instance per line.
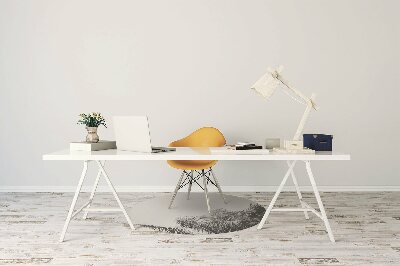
x=203 y=137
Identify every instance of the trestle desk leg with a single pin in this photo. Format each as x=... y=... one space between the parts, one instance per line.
x=96 y=182
x=298 y=191
x=115 y=195
x=320 y=205
x=278 y=191
x=71 y=209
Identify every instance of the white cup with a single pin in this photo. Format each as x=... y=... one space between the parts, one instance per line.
x=271 y=143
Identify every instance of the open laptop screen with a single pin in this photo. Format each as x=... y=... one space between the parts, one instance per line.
x=132 y=133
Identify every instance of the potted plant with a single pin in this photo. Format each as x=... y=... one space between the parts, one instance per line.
x=92 y=121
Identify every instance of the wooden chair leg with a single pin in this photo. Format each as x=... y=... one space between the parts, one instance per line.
x=206 y=190
x=218 y=186
x=176 y=189
x=190 y=184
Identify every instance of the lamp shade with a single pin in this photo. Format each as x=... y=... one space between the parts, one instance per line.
x=267 y=84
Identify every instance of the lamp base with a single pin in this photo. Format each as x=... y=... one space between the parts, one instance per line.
x=293 y=151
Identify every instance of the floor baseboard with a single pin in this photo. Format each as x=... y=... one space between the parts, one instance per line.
x=194 y=189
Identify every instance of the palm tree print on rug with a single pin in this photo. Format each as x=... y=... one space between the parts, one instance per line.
x=192 y=217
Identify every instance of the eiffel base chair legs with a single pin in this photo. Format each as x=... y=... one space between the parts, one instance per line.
x=190 y=177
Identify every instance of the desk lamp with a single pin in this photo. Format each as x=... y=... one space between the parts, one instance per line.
x=266 y=86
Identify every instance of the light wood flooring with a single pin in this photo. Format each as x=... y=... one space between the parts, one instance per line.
x=366 y=226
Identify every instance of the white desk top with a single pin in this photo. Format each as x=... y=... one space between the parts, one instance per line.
x=189 y=154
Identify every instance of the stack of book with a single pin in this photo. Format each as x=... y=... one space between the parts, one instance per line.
x=232 y=150
x=98 y=146
x=247 y=146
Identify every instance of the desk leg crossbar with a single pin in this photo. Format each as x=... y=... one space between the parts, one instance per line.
x=305 y=207
x=87 y=206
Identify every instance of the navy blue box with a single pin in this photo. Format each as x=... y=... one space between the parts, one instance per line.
x=318 y=142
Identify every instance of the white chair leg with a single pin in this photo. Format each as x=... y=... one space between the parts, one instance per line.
x=71 y=209
x=206 y=191
x=176 y=190
x=298 y=191
x=320 y=205
x=217 y=184
x=96 y=182
x=278 y=191
x=190 y=184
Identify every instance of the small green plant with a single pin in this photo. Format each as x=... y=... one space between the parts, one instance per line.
x=92 y=120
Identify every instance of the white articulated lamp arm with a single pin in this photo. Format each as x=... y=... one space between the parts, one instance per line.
x=297 y=95
x=310 y=105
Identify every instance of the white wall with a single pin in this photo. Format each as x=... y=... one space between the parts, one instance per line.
x=188 y=64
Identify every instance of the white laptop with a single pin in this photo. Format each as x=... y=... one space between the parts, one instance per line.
x=132 y=133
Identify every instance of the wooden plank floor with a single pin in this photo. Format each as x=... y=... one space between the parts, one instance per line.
x=366 y=226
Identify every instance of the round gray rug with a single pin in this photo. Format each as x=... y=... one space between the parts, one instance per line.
x=192 y=217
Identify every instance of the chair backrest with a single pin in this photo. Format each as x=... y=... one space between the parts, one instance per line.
x=203 y=137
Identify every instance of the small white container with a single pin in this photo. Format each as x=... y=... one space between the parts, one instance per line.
x=293 y=144
x=271 y=143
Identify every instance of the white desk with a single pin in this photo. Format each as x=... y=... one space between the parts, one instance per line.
x=100 y=157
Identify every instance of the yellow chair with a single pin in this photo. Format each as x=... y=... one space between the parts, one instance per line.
x=193 y=170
